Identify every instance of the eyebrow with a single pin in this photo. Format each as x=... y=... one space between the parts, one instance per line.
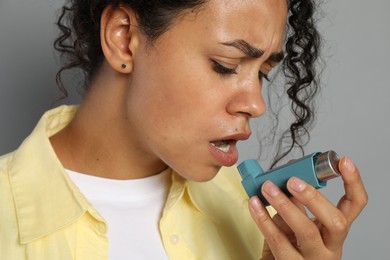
x=253 y=52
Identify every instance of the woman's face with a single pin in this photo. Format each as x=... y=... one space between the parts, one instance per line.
x=194 y=90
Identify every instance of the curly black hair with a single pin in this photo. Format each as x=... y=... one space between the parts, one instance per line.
x=299 y=67
x=79 y=45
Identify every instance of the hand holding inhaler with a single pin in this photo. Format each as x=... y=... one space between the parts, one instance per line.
x=315 y=169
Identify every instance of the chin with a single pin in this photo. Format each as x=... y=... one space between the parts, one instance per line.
x=202 y=175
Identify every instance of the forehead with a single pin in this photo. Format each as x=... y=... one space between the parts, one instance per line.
x=260 y=22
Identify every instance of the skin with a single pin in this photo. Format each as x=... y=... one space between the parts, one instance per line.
x=292 y=235
x=170 y=102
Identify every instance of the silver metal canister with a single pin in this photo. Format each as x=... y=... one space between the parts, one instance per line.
x=327 y=166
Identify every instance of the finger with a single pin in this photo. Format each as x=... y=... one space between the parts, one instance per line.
x=304 y=210
x=275 y=238
x=306 y=232
x=278 y=220
x=356 y=197
x=283 y=225
x=299 y=205
x=267 y=253
x=335 y=224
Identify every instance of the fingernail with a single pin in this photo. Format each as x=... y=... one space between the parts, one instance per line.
x=349 y=164
x=296 y=184
x=271 y=189
x=255 y=203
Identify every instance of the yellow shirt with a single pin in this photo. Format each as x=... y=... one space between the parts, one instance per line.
x=43 y=215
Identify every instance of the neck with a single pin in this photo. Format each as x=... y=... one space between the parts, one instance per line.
x=100 y=140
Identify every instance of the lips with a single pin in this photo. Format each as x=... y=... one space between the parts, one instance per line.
x=225 y=150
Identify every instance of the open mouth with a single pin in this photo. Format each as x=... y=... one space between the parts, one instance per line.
x=223 y=145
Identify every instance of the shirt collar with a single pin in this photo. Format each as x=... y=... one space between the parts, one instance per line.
x=214 y=197
x=45 y=198
x=193 y=191
x=211 y=198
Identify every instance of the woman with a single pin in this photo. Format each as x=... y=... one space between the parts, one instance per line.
x=141 y=170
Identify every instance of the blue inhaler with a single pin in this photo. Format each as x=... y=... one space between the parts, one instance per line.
x=315 y=169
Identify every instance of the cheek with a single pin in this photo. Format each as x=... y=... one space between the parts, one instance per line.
x=177 y=98
x=175 y=122
x=182 y=95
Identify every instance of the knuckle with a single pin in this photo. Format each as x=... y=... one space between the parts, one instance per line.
x=361 y=201
x=340 y=224
x=311 y=194
x=283 y=204
x=261 y=217
x=311 y=233
x=364 y=200
x=274 y=240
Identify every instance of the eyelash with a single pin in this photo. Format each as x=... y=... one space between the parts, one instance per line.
x=224 y=70
x=264 y=76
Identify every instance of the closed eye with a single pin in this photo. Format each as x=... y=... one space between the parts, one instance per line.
x=217 y=67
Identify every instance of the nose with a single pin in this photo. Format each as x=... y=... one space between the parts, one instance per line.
x=248 y=100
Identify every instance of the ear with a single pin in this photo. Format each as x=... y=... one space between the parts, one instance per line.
x=119 y=36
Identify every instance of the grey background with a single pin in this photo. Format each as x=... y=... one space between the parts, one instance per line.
x=353 y=114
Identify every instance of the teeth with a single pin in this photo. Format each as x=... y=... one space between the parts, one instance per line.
x=222 y=145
